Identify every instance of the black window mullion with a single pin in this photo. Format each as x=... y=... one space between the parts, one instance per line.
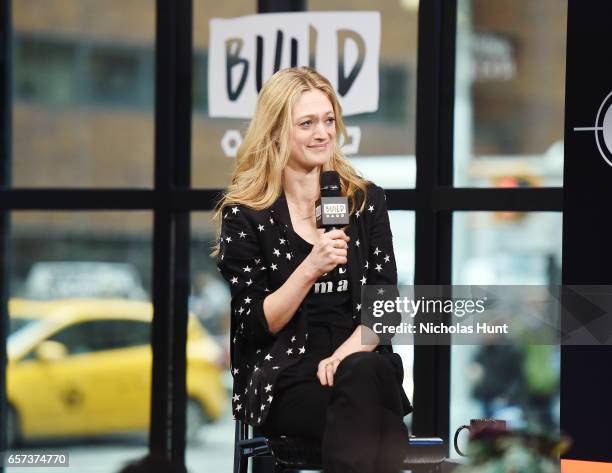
x=433 y=232
x=271 y=6
x=401 y=199
x=496 y=199
x=171 y=228
x=5 y=176
x=182 y=230
x=77 y=199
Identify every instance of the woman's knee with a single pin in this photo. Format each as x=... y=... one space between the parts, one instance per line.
x=366 y=364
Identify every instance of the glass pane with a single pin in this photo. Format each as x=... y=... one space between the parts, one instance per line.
x=211 y=166
x=402 y=227
x=211 y=447
x=506 y=248
x=385 y=137
x=79 y=373
x=83 y=95
x=210 y=425
x=510 y=93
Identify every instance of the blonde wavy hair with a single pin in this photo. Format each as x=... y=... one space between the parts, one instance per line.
x=256 y=180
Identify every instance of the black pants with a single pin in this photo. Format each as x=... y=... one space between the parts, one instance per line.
x=359 y=420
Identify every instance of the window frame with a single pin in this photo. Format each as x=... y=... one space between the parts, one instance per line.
x=172 y=199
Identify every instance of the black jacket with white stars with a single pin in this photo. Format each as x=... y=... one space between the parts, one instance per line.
x=256 y=259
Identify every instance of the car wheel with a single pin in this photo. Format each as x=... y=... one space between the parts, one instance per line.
x=196 y=418
x=13 y=433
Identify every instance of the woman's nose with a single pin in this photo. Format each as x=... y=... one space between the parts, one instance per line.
x=319 y=130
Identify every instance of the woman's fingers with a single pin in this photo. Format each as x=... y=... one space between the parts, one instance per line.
x=329 y=372
x=336 y=235
x=340 y=244
x=330 y=251
x=321 y=374
x=326 y=370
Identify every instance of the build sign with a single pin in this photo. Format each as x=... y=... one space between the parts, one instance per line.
x=245 y=51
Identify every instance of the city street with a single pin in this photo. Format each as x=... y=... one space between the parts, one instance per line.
x=212 y=452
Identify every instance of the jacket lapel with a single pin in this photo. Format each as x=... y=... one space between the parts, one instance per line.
x=280 y=211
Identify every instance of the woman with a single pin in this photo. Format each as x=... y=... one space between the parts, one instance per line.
x=303 y=364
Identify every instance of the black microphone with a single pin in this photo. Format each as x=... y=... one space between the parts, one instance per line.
x=331 y=208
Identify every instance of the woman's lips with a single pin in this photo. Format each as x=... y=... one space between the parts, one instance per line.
x=318 y=147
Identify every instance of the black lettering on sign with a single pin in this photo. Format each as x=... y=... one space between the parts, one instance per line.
x=312 y=46
x=233 y=46
x=346 y=81
x=258 y=62
x=237 y=68
x=278 y=55
x=294 y=51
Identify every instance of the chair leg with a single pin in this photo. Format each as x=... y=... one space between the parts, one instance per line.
x=240 y=462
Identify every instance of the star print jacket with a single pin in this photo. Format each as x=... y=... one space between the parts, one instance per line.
x=256 y=259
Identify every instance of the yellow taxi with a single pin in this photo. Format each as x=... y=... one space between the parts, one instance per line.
x=82 y=367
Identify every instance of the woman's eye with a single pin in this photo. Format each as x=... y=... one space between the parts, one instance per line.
x=306 y=123
x=331 y=120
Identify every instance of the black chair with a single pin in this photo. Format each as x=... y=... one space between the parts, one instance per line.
x=425 y=454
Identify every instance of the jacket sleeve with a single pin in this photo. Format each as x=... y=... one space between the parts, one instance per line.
x=382 y=269
x=241 y=263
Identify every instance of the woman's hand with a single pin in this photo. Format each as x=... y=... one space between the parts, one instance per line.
x=327 y=369
x=353 y=344
x=329 y=251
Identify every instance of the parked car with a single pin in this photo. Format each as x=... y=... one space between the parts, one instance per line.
x=83 y=368
x=92 y=279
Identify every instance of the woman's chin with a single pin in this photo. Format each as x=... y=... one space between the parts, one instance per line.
x=319 y=159
x=310 y=161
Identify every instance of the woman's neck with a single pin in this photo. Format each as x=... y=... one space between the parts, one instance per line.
x=301 y=190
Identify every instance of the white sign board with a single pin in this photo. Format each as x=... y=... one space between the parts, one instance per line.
x=245 y=51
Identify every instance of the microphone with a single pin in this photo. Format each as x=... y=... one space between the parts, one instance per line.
x=331 y=208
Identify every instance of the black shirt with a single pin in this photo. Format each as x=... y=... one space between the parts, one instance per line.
x=329 y=300
x=329 y=319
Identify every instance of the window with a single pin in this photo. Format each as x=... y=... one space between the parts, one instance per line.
x=82 y=338
x=510 y=92
x=128 y=333
x=501 y=380
x=82 y=107
x=82 y=116
x=200 y=82
x=116 y=76
x=46 y=71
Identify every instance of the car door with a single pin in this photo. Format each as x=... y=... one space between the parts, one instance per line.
x=100 y=386
x=129 y=359
x=114 y=376
x=51 y=396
